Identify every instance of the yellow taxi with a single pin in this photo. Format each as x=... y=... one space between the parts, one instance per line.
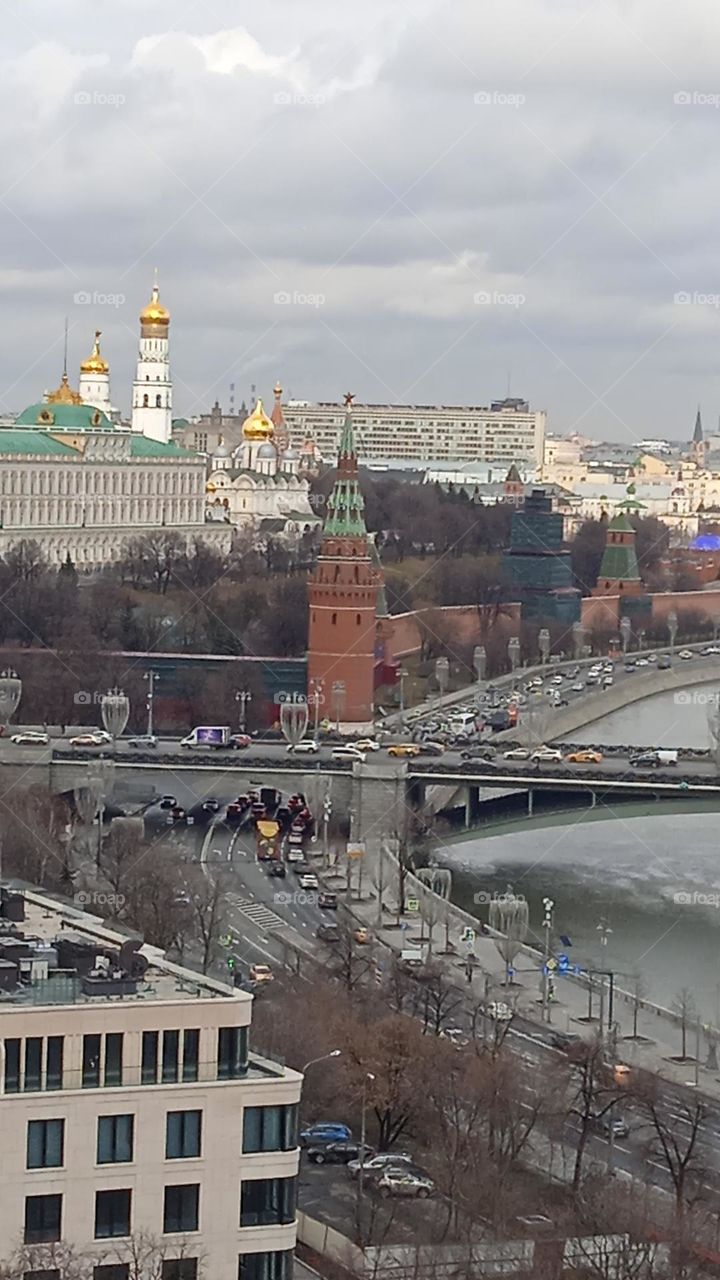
x=584 y=757
x=401 y=750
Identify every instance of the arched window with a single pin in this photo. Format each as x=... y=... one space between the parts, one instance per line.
x=158 y=402
x=146 y=402
x=358 y=619
x=334 y=619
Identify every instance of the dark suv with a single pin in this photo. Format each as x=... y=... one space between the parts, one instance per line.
x=337 y=1153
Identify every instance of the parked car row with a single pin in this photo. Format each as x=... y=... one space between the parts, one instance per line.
x=390 y=1173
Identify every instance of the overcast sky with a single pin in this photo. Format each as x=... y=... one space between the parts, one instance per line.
x=414 y=201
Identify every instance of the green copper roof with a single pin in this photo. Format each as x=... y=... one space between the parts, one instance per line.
x=67 y=417
x=143 y=447
x=33 y=442
x=620 y=562
x=345 y=516
x=620 y=523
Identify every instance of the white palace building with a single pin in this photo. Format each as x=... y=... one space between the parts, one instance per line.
x=80 y=484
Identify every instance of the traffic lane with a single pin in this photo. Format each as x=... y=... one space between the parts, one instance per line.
x=283 y=896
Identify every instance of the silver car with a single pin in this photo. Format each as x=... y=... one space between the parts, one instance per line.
x=400 y=1182
x=377 y=1165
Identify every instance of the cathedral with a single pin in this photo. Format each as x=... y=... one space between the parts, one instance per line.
x=262 y=484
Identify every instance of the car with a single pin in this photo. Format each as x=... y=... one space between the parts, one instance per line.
x=547 y=754
x=564 y=1040
x=260 y=973
x=607 y=681
x=376 y=1165
x=296 y=855
x=325 y=1131
x=430 y=748
x=361 y=935
x=499 y=1010
x=87 y=740
x=211 y=806
x=401 y=750
x=711 y=650
x=578 y=687
x=277 y=870
x=327 y=933
x=664 y=663
x=593 y=678
x=144 y=741
x=327 y=901
x=102 y=735
x=517 y=753
x=167 y=802
x=480 y=752
x=308 y=880
x=241 y=741
x=456 y=1036
x=556 y=680
x=642 y=662
x=367 y=744
x=629 y=666
x=585 y=756
x=305 y=747
x=686 y=654
x=30 y=739
x=397 y=1181
x=610 y=1126
x=347 y=753
x=338 y=1152
x=301 y=868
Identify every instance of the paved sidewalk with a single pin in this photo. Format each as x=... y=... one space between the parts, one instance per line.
x=659 y=1031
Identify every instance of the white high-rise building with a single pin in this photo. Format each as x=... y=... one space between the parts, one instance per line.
x=94 y=385
x=152 y=388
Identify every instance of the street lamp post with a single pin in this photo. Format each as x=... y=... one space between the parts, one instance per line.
x=326 y=814
x=625 y=633
x=151 y=677
x=10 y=694
x=317 y=696
x=514 y=652
x=115 y=712
x=442 y=674
x=402 y=676
x=243 y=696
x=672 y=625
x=578 y=639
x=548 y=907
x=544 y=644
x=368 y=1076
x=334 y=1053
x=479 y=661
x=338 y=697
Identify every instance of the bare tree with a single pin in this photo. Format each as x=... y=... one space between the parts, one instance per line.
x=439 y=1000
x=208 y=910
x=684 y=1007
x=351 y=961
x=594 y=1095
x=639 y=992
x=676 y=1131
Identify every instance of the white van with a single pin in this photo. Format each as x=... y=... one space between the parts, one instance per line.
x=463 y=722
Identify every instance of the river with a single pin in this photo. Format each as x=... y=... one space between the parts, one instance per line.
x=653 y=877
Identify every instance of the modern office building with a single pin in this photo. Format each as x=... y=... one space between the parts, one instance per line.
x=506 y=431
x=133 y=1110
x=537 y=568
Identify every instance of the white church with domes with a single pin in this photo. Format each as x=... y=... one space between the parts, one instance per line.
x=259 y=485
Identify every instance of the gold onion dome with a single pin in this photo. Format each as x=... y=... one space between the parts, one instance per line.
x=155 y=314
x=64 y=394
x=258 y=426
x=95 y=362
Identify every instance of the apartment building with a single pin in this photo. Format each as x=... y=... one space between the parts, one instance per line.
x=504 y=432
x=133 y=1112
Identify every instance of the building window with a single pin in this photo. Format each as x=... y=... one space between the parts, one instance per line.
x=115 y=1139
x=170 y=1050
x=191 y=1054
x=183 y=1136
x=91 y=1062
x=232 y=1052
x=181 y=1207
x=33 y=1064
x=179 y=1269
x=267 y=1202
x=113 y=1058
x=54 y=1066
x=45 y=1144
x=112 y=1271
x=148 y=1071
x=42 y=1219
x=112 y=1214
x=45 y=1274
x=269 y=1129
x=265 y=1266
x=12 y=1066
x=333 y=619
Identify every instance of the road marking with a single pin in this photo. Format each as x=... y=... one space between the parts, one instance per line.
x=262 y=916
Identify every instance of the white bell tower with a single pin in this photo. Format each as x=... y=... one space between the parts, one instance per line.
x=152 y=388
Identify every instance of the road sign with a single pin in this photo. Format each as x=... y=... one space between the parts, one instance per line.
x=510 y=971
x=552 y=964
x=563 y=963
x=412 y=904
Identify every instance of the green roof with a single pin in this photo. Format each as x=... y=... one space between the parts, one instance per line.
x=620 y=523
x=144 y=447
x=33 y=442
x=68 y=417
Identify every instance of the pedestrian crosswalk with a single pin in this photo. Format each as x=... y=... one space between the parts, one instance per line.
x=259 y=915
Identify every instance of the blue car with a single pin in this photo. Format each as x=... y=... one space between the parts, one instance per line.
x=318 y=1134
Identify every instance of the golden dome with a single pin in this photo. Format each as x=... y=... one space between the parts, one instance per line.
x=155 y=314
x=258 y=426
x=64 y=394
x=95 y=362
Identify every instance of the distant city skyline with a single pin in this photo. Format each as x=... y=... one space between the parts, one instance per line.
x=418 y=202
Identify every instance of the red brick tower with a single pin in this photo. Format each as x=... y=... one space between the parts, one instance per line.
x=343 y=597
